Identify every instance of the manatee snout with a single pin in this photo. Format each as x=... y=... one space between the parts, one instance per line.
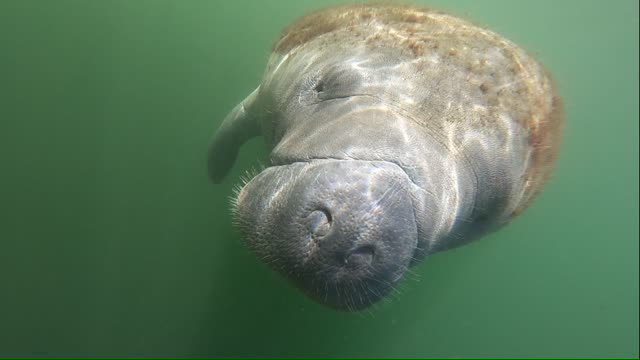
x=343 y=231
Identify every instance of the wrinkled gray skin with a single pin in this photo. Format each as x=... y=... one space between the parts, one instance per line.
x=373 y=167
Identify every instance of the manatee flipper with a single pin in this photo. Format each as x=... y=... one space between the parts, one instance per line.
x=238 y=127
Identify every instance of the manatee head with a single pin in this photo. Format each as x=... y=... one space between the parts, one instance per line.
x=336 y=212
x=342 y=210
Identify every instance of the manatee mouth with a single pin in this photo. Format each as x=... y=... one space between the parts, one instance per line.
x=343 y=231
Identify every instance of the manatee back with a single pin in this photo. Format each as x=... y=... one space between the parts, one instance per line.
x=472 y=81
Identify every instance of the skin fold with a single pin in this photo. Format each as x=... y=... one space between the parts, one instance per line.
x=395 y=132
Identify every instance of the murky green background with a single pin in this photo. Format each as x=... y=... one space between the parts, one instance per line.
x=113 y=243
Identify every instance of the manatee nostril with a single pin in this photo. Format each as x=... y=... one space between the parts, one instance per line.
x=319 y=223
x=361 y=256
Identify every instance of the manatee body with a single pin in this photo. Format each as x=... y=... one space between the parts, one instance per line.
x=395 y=132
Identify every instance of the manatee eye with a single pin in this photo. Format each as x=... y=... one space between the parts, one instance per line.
x=319 y=87
x=328 y=84
x=312 y=86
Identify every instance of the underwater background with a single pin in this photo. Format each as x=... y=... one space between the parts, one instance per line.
x=114 y=243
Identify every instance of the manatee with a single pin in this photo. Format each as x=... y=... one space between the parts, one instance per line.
x=395 y=132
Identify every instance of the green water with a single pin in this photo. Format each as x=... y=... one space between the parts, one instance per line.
x=113 y=243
